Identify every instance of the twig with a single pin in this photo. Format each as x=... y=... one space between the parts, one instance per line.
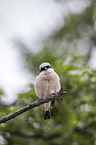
x=39 y=102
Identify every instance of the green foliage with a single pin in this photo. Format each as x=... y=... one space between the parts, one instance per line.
x=73 y=121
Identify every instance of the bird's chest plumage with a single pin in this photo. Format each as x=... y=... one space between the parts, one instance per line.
x=50 y=79
x=47 y=84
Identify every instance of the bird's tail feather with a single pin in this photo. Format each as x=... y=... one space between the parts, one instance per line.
x=47 y=113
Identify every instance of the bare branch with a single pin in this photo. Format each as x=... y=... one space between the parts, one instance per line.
x=39 y=102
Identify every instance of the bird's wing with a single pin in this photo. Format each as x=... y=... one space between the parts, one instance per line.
x=41 y=87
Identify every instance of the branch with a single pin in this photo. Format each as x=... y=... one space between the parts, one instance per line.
x=39 y=102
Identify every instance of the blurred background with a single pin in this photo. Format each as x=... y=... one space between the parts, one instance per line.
x=63 y=33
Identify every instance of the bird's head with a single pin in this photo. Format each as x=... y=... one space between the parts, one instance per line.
x=45 y=68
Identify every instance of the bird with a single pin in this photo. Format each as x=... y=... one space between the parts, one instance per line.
x=47 y=83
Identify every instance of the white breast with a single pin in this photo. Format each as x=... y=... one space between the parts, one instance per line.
x=47 y=84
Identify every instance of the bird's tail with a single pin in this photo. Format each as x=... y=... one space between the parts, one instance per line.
x=47 y=113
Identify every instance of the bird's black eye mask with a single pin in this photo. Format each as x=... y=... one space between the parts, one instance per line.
x=45 y=68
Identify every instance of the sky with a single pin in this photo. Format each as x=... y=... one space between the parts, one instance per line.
x=27 y=20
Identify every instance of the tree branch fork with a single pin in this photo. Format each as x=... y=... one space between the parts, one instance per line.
x=57 y=96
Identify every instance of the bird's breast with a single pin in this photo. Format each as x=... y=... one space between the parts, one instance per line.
x=47 y=84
